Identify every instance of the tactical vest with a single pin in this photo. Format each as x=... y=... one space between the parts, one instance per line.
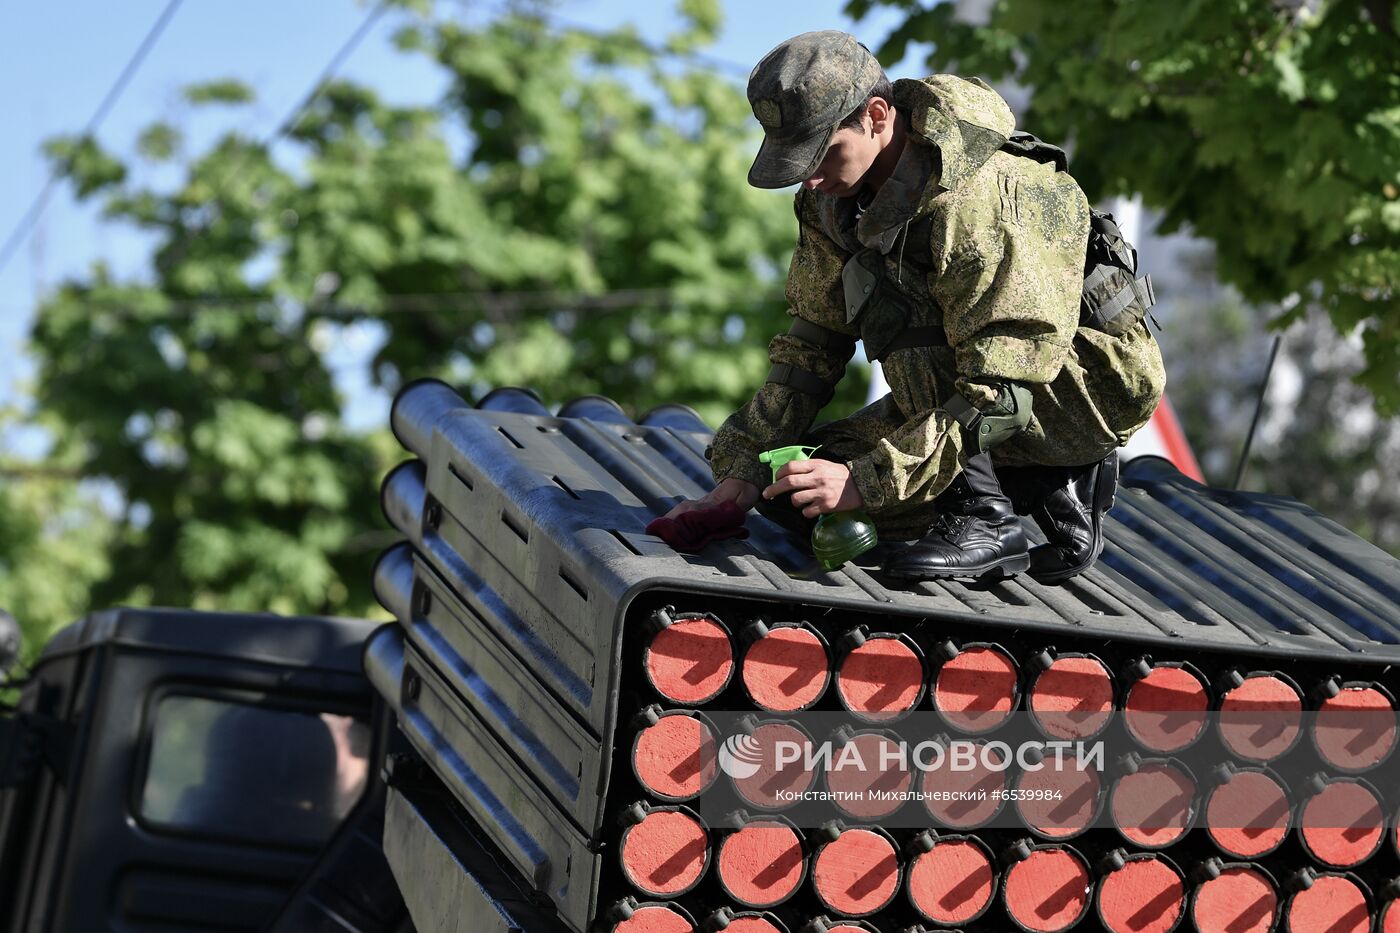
x=1113 y=299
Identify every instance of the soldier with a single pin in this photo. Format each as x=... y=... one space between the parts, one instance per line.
x=924 y=231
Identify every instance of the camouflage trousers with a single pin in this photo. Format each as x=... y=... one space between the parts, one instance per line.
x=1076 y=419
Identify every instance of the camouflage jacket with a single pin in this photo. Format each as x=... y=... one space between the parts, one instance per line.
x=987 y=244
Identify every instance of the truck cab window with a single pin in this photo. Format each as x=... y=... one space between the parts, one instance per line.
x=255 y=772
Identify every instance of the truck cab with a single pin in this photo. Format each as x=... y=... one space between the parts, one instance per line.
x=174 y=770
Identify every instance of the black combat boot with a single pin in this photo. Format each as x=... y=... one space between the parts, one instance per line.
x=976 y=533
x=1068 y=505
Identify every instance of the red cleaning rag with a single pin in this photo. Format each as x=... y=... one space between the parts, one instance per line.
x=691 y=531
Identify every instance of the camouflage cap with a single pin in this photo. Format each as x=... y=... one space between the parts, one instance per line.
x=800 y=92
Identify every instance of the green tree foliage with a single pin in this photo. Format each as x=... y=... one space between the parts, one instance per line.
x=53 y=547
x=217 y=423
x=572 y=216
x=1271 y=127
x=600 y=239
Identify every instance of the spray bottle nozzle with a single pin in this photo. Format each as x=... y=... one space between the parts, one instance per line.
x=780 y=457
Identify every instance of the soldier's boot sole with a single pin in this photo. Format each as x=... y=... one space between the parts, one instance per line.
x=1002 y=568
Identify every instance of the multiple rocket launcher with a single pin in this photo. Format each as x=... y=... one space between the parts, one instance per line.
x=575 y=685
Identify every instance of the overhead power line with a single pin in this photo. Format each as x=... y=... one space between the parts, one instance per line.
x=488 y=300
x=298 y=112
x=31 y=217
x=294 y=116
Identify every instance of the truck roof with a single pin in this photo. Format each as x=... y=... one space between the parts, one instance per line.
x=1216 y=567
x=329 y=643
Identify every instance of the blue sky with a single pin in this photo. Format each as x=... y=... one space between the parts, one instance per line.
x=58 y=58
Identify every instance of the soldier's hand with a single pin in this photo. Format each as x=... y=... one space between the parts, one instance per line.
x=817 y=486
x=741 y=492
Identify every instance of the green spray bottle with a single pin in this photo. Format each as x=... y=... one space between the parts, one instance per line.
x=838 y=536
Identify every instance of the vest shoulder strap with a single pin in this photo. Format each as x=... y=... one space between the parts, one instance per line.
x=1030 y=146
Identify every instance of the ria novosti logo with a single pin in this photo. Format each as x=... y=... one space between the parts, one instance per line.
x=741 y=756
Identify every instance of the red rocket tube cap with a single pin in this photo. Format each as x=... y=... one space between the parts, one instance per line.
x=1166 y=709
x=1356 y=729
x=1390 y=918
x=760 y=777
x=1072 y=698
x=857 y=873
x=1146 y=895
x=976 y=690
x=870 y=782
x=762 y=863
x=666 y=853
x=1153 y=807
x=690 y=660
x=1342 y=824
x=1048 y=891
x=1331 y=904
x=787 y=669
x=1061 y=798
x=1262 y=718
x=882 y=679
x=654 y=918
x=748 y=922
x=1241 y=899
x=1248 y=815
x=954 y=882
x=675 y=759
x=966 y=798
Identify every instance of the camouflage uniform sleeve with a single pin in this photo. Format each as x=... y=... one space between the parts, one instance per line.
x=1009 y=269
x=779 y=414
x=911 y=464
